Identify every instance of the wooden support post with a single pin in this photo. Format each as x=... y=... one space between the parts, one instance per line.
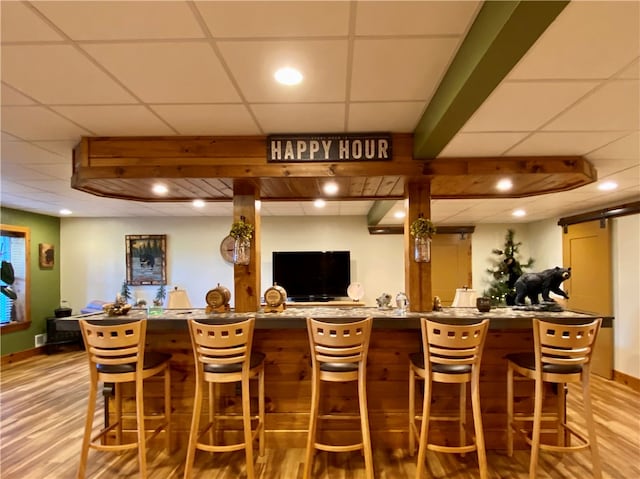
x=247 y=278
x=417 y=275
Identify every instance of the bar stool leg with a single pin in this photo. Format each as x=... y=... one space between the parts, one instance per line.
x=537 y=426
x=364 y=424
x=167 y=409
x=261 y=417
x=246 y=421
x=591 y=427
x=88 y=428
x=477 y=424
x=462 y=415
x=118 y=411
x=142 y=451
x=509 y=410
x=424 y=429
x=412 y=411
x=193 y=433
x=313 y=425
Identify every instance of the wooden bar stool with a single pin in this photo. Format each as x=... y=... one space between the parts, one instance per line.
x=339 y=354
x=223 y=354
x=451 y=354
x=562 y=354
x=116 y=355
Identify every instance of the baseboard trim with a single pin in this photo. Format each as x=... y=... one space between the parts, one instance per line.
x=12 y=358
x=622 y=378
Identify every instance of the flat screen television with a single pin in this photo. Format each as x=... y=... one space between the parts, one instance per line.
x=312 y=275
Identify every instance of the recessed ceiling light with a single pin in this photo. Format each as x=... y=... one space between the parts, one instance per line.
x=258 y=204
x=519 y=213
x=65 y=212
x=607 y=186
x=160 y=189
x=198 y=203
x=504 y=185
x=319 y=203
x=399 y=214
x=288 y=76
x=330 y=188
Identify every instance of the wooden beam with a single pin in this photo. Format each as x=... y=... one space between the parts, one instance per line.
x=501 y=34
x=417 y=275
x=247 y=278
x=378 y=211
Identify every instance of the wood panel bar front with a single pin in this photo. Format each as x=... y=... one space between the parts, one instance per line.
x=283 y=338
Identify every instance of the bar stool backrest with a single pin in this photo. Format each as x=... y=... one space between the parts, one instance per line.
x=222 y=344
x=564 y=348
x=339 y=343
x=116 y=344
x=453 y=344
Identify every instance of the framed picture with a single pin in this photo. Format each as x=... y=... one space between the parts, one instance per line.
x=14 y=278
x=46 y=255
x=146 y=259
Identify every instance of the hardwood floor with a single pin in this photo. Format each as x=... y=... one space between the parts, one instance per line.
x=43 y=402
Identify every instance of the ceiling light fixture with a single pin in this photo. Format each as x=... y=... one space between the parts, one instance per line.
x=198 y=203
x=504 y=185
x=519 y=213
x=607 y=186
x=399 y=214
x=65 y=212
x=288 y=76
x=330 y=188
x=160 y=189
x=319 y=203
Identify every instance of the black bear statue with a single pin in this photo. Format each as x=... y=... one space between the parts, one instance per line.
x=532 y=285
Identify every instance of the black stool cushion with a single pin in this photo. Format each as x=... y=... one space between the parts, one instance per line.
x=417 y=359
x=338 y=367
x=151 y=360
x=256 y=359
x=528 y=361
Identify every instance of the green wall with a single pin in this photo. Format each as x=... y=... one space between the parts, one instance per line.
x=45 y=283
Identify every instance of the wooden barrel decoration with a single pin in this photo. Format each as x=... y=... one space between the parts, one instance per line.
x=275 y=297
x=217 y=299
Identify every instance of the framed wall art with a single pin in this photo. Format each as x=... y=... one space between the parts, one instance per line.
x=146 y=259
x=14 y=277
x=46 y=255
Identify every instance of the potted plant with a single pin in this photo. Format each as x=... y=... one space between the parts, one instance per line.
x=241 y=232
x=422 y=230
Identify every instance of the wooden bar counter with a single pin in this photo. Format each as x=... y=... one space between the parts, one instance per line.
x=283 y=338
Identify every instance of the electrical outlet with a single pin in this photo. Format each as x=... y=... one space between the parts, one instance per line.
x=40 y=340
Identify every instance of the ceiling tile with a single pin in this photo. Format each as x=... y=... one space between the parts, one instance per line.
x=615 y=106
x=587 y=40
x=63 y=148
x=564 y=143
x=626 y=148
x=105 y=120
x=39 y=123
x=275 y=19
x=399 y=69
x=480 y=144
x=109 y=20
x=71 y=77
x=399 y=117
x=415 y=18
x=323 y=63
x=300 y=118
x=525 y=106
x=24 y=153
x=11 y=96
x=208 y=119
x=632 y=72
x=21 y=24
x=176 y=72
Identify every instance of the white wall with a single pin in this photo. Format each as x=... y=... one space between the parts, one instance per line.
x=92 y=259
x=626 y=292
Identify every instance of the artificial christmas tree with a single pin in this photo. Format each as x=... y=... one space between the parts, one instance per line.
x=507 y=268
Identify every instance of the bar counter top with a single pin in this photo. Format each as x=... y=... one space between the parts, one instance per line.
x=295 y=317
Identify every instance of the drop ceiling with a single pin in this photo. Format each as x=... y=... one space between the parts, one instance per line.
x=74 y=69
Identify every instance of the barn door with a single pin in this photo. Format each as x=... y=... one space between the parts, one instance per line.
x=450 y=265
x=586 y=248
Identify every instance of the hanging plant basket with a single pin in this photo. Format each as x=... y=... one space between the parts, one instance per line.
x=422 y=229
x=242 y=233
